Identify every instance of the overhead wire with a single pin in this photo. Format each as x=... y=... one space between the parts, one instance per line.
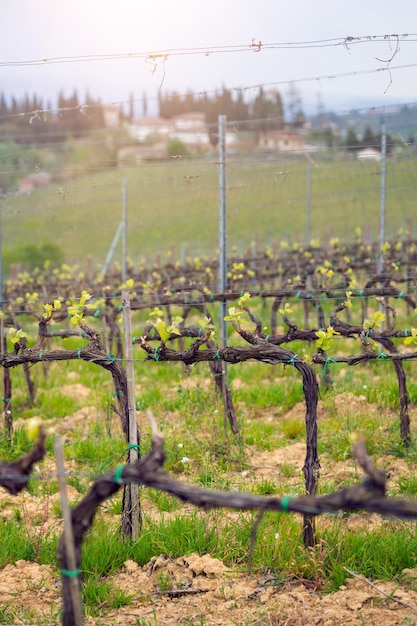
x=256 y=46
x=332 y=76
x=100 y=165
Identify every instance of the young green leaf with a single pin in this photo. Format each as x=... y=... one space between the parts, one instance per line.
x=375 y=320
x=15 y=335
x=325 y=338
x=412 y=339
x=286 y=309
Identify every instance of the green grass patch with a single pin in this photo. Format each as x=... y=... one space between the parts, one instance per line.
x=163 y=501
x=19 y=542
x=293 y=428
x=98 y=453
x=100 y=596
x=260 y=434
x=381 y=554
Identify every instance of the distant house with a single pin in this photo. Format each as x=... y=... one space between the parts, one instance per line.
x=37 y=179
x=370 y=154
x=191 y=129
x=151 y=127
x=281 y=141
x=193 y=121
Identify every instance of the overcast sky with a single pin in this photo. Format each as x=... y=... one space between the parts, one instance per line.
x=46 y=29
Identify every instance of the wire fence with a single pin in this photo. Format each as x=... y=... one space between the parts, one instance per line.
x=279 y=187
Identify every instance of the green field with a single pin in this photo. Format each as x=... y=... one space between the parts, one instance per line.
x=174 y=205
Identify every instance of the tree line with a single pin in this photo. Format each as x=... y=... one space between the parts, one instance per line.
x=266 y=106
x=369 y=139
x=31 y=120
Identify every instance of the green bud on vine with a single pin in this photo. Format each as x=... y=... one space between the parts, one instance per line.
x=325 y=338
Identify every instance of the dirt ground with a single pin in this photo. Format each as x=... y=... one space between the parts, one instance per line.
x=201 y=590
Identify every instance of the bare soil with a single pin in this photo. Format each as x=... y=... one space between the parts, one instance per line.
x=202 y=590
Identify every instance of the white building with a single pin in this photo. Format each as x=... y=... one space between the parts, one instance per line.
x=151 y=127
x=190 y=128
x=369 y=154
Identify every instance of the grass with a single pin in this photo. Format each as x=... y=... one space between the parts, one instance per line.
x=381 y=554
x=17 y=543
x=142 y=621
x=100 y=596
x=14 y=616
x=163 y=501
x=345 y=194
x=99 y=453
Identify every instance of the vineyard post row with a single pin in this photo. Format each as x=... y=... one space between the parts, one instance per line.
x=262 y=348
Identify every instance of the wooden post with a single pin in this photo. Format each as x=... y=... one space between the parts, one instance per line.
x=73 y=579
x=105 y=335
x=7 y=388
x=132 y=499
x=228 y=410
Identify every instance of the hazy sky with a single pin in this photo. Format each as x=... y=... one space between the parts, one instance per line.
x=46 y=29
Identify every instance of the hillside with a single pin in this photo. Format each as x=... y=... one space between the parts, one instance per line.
x=173 y=205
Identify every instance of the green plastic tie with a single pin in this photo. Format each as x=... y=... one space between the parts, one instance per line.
x=267 y=337
x=328 y=360
x=79 y=353
x=400 y=295
x=71 y=573
x=118 y=393
x=131 y=446
x=211 y=298
x=284 y=503
x=292 y=359
x=41 y=354
x=405 y=332
x=97 y=313
x=381 y=355
x=297 y=295
x=7 y=399
x=360 y=292
x=156 y=354
x=111 y=357
x=217 y=355
x=118 y=474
